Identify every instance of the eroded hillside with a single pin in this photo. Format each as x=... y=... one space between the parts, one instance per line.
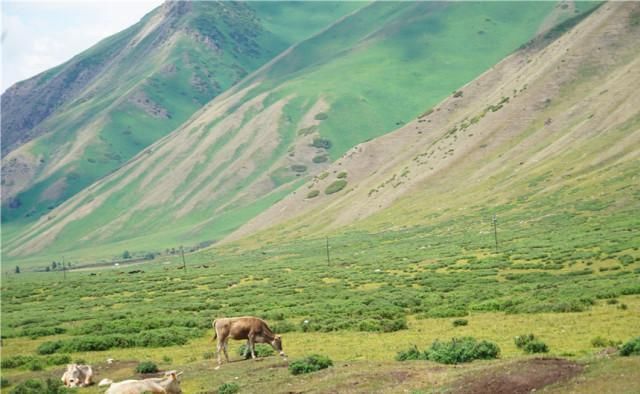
x=554 y=127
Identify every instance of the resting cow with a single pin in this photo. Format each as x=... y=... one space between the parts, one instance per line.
x=77 y=375
x=169 y=384
x=253 y=329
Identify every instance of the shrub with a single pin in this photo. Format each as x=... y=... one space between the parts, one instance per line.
x=460 y=322
x=49 y=347
x=632 y=347
x=228 y=388
x=461 y=350
x=321 y=116
x=262 y=350
x=335 y=186
x=530 y=344
x=342 y=175
x=411 y=354
x=35 y=365
x=298 y=168
x=522 y=340
x=313 y=193
x=603 y=342
x=309 y=364
x=147 y=367
x=536 y=346
x=4 y=382
x=34 y=386
x=59 y=359
x=282 y=327
x=320 y=159
x=321 y=143
x=16 y=361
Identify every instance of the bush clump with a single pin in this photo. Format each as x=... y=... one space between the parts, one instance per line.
x=35 y=386
x=530 y=344
x=320 y=159
x=632 y=347
x=456 y=351
x=262 y=350
x=59 y=359
x=154 y=338
x=321 y=143
x=603 y=342
x=228 y=388
x=313 y=194
x=342 y=175
x=411 y=354
x=282 y=327
x=309 y=364
x=147 y=367
x=4 y=382
x=335 y=186
x=461 y=350
x=460 y=322
x=536 y=346
x=16 y=361
x=298 y=168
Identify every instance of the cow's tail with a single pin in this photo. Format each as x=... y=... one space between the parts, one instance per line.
x=215 y=333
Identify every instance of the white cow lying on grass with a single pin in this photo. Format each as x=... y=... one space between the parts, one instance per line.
x=168 y=384
x=77 y=375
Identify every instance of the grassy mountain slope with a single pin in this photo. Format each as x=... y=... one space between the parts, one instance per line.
x=546 y=139
x=69 y=126
x=362 y=77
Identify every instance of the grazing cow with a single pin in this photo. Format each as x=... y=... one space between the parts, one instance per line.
x=77 y=375
x=253 y=329
x=168 y=384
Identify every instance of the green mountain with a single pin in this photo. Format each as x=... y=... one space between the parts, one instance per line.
x=71 y=125
x=359 y=78
x=548 y=140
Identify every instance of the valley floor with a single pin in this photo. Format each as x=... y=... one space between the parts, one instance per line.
x=364 y=362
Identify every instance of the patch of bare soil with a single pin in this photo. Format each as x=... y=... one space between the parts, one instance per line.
x=519 y=377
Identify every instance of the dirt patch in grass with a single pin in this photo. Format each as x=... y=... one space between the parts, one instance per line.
x=519 y=377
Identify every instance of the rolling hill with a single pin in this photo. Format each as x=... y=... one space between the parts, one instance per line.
x=71 y=125
x=361 y=77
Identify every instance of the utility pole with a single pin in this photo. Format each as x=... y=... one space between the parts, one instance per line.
x=495 y=230
x=184 y=264
x=328 y=257
x=64 y=269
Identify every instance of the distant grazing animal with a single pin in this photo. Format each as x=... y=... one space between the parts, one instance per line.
x=168 y=384
x=253 y=329
x=77 y=375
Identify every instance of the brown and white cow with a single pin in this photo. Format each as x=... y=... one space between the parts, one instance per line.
x=168 y=384
x=253 y=329
x=77 y=375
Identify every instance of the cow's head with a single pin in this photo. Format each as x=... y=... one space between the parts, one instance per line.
x=172 y=385
x=277 y=344
x=72 y=377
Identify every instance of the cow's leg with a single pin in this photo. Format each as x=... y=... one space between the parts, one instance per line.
x=224 y=347
x=252 y=344
x=219 y=350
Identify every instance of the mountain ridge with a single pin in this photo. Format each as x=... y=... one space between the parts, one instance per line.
x=301 y=116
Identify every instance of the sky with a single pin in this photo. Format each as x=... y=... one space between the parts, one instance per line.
x=38 y=35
